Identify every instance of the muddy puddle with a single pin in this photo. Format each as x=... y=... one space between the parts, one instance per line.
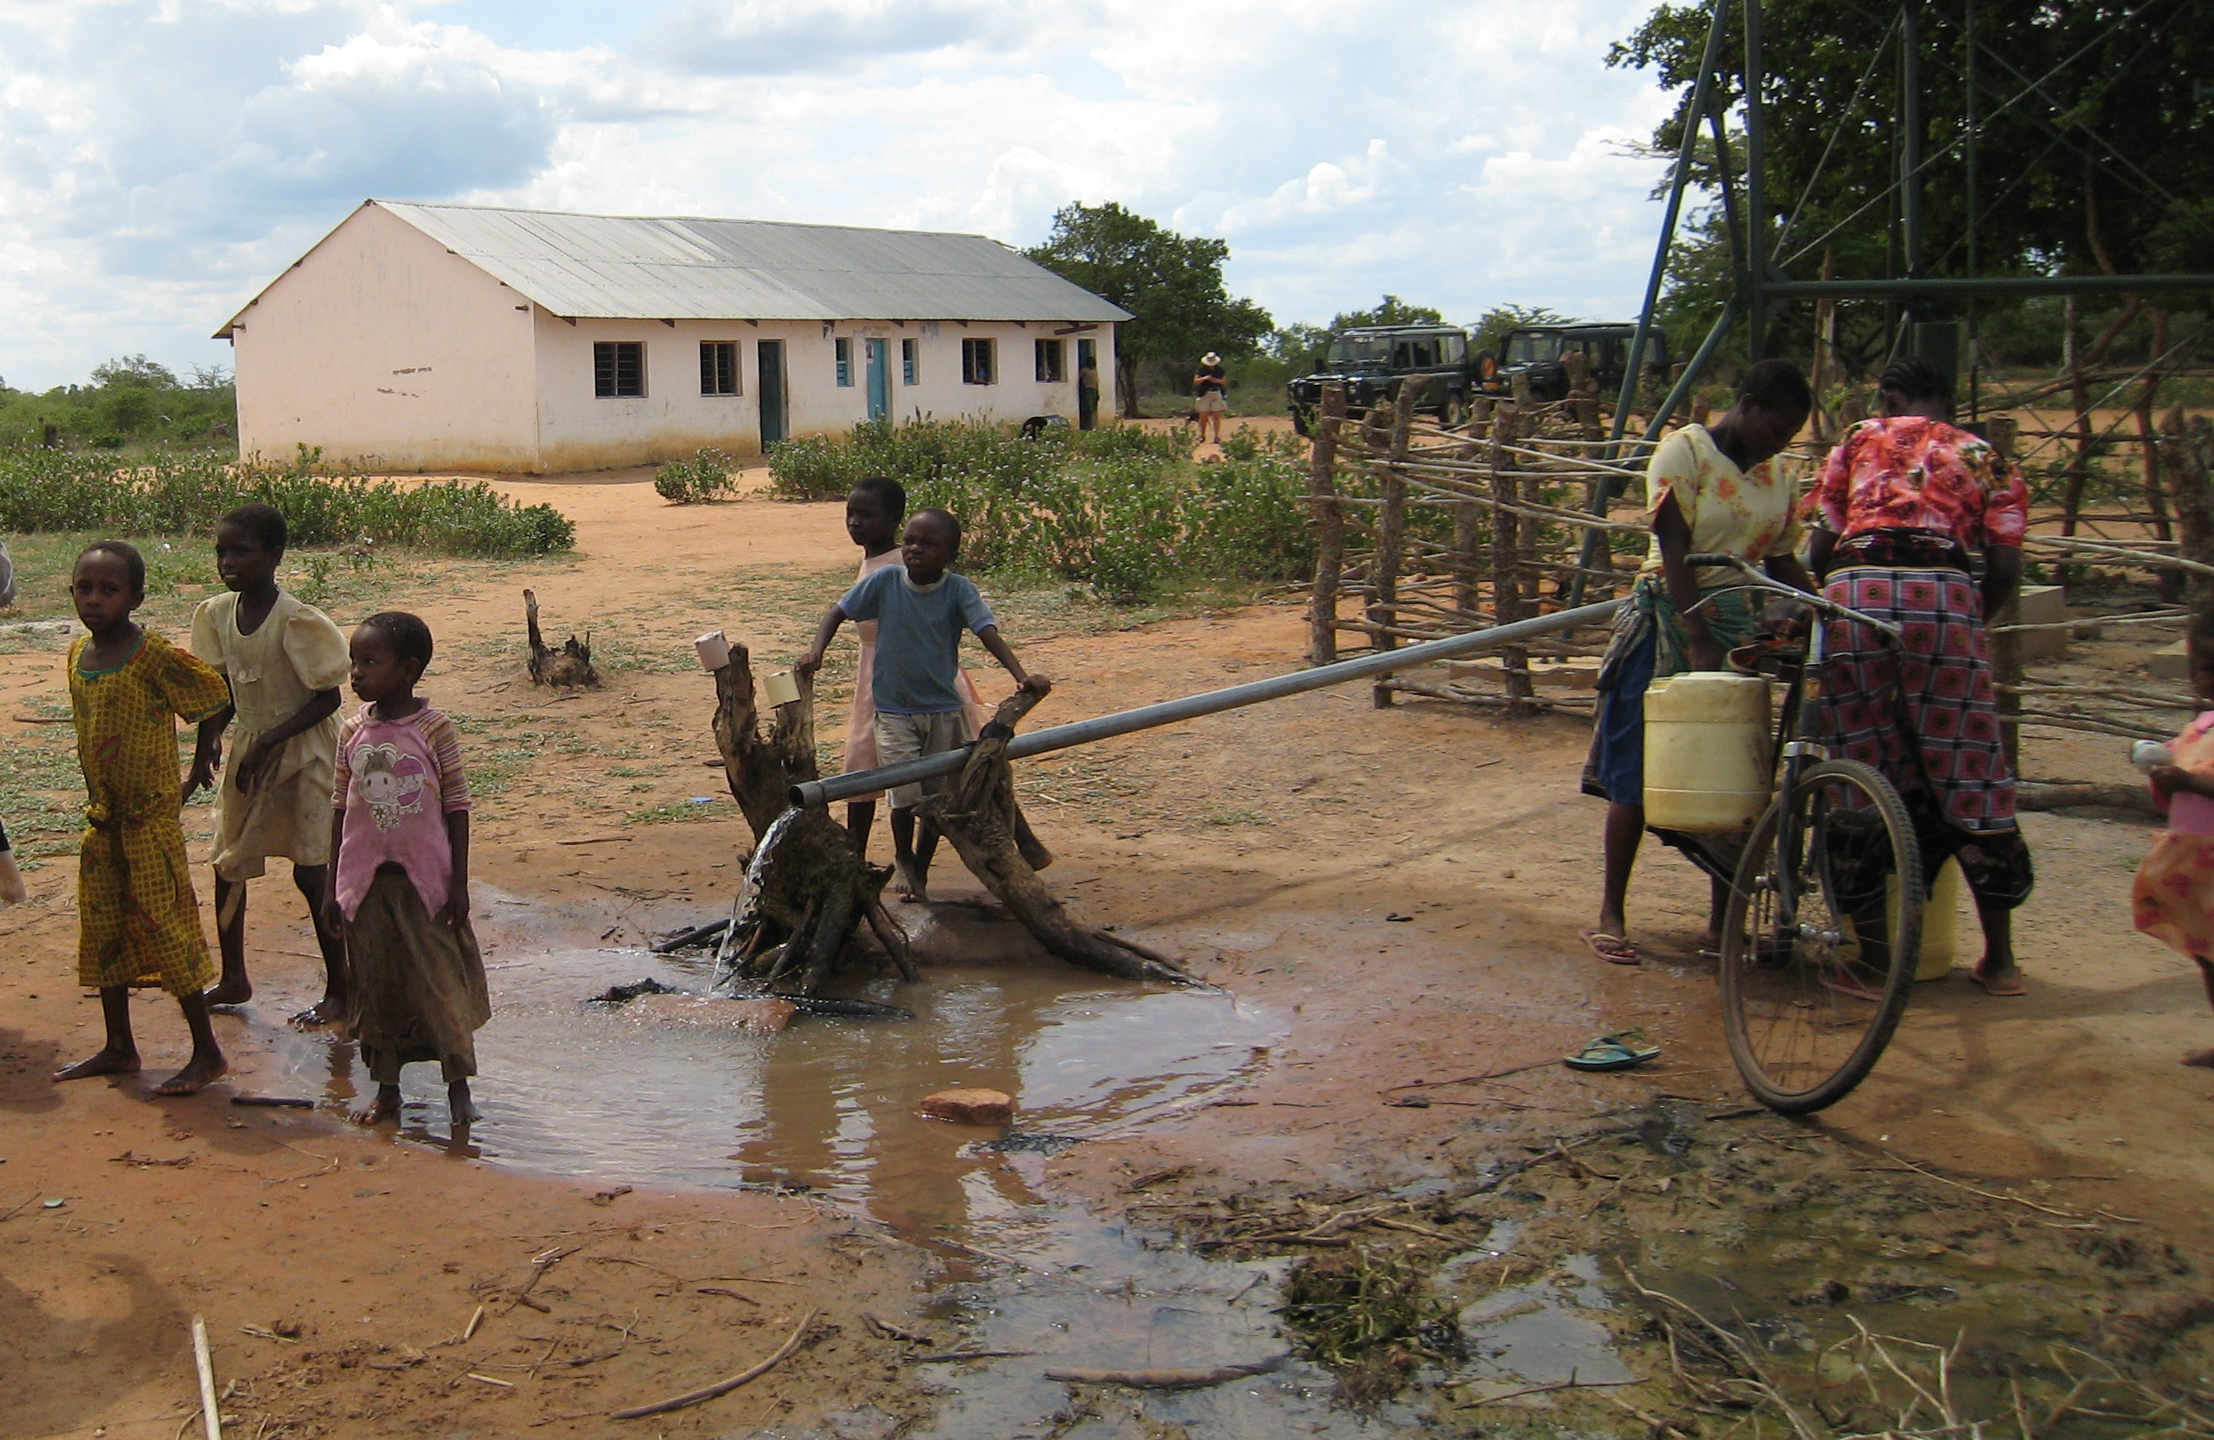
x=591 y=1092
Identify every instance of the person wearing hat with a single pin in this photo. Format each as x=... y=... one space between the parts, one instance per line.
x=1212 y=386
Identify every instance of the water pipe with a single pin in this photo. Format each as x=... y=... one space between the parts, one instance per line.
x=1191 y=707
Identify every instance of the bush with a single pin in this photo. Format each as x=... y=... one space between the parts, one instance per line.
x=1123 y=509
x=706 y=476
x=173 y=493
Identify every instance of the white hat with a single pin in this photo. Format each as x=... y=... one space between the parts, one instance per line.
x=1210 y=358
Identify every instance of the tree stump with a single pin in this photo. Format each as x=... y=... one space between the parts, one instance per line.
x=570 y=666
x=978 y=818
x=805 y=889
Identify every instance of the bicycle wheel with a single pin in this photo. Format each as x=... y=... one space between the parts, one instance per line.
x=1810 y=998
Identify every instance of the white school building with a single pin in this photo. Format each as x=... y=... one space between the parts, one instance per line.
x=432 y=337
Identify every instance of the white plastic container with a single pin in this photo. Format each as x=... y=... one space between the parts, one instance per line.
x=778 y=687
x=714 y=650
x=1707 y=751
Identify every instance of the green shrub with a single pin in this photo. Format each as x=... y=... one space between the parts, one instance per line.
x=706 y=476
x=1123 y=509
x=186 y=492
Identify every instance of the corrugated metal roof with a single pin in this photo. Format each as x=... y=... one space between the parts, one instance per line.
x=677 y=268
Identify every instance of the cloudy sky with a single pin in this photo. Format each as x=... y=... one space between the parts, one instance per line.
x=161 y=159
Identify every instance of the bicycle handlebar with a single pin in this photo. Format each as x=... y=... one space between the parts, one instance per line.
x=1759 y=580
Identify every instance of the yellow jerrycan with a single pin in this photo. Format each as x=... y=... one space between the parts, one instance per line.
x=1942 y=936
x=1707 y=751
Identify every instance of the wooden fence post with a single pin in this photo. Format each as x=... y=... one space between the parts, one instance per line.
x=1391 y=531
x=1322 y=492
x=1506 y=549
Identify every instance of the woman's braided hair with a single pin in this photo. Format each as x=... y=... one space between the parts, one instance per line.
x=1916 y=379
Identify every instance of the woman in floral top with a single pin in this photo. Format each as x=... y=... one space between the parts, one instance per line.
x=1899 y=505
x=1710 y=490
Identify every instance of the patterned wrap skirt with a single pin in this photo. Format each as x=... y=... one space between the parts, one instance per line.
x=418 y=990
x=1926 y=715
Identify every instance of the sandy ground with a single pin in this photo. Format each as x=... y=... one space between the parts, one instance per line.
x=1403 y=884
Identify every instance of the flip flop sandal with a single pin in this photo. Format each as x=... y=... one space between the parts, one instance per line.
x=1599 y=940
x=1619 y=1051
x=1990 y=987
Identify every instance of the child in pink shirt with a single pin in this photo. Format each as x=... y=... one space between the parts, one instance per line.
x=400 y=887
x=2173 y=898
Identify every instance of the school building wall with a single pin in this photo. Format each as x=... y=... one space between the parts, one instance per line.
x=579 y=429
x=384 y=349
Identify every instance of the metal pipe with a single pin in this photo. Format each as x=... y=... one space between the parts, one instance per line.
x=1913 y=134
x=1694 y=115
x=1191 y=707
x=1956 y=286
x=1756 y=187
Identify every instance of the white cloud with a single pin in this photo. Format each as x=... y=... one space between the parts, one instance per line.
x=160 y=159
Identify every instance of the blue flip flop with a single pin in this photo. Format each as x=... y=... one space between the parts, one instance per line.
x=1619 y=1051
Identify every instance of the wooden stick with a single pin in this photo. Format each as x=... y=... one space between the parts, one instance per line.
x=723 y=1387
x=211 y=1418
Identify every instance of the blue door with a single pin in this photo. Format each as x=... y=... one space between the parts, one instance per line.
x=880 y=378
x=771 y=385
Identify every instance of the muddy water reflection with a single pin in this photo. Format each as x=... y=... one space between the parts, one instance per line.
x=586 y=1090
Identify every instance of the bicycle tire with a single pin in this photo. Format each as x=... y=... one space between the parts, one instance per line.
x=1800 y=1039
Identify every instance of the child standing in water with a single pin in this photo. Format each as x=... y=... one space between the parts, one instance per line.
x=2173 y=899
x=284 y=660
x=922 y=609
x=400 y=888
x=138 y=920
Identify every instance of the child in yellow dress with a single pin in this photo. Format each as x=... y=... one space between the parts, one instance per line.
x=2173 y=899
x=284 y=660
x=139 y=922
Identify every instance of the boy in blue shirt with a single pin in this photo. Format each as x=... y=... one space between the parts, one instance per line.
x=920 y=609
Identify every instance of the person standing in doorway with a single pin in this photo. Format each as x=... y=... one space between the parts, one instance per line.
x=1211 y=387
x=1087 y=389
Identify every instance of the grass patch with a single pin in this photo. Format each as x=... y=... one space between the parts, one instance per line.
x=676 y=811
x=1368 y=1315
x=186 y=492
x=1122 y=510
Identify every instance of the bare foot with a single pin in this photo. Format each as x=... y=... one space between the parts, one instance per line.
x=910 y=889
x=327 y=1011
x=199 y=1072
x=463 y=1110
x=108 y=1062
x=2204 y=1059
x=386 y=1106
x=231 y=992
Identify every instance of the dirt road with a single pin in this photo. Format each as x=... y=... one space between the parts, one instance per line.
x=1390 y=896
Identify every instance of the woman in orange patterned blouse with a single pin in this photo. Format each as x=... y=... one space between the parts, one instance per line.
x=1899 y=505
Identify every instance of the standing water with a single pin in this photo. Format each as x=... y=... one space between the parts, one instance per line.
x=580 y=1089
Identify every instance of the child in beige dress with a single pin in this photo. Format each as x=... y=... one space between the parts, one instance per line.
x=284 y=660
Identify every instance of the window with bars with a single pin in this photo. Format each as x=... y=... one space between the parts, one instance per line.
x=910 y=362
x=718 y=367
x=1050 y=362
x=844 y=351
x=618 y=368
x=977 y=362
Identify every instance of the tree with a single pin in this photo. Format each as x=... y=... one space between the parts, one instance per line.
x=1391 y=311
x=2096 y=151
x=1491 y=329
x=1171 y=284
x=135 y=370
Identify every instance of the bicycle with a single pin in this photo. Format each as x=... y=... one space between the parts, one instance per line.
x=1821 y=935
